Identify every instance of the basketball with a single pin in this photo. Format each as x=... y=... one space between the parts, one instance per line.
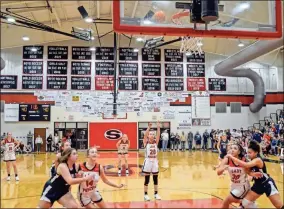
x=2 y=64
x=160 y=16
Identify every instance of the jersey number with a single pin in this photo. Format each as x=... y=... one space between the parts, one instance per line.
x=152 y=151
x=90 y=183
x=235 y=177
x=10 y=148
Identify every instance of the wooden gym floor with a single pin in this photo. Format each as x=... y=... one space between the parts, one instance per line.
x=186 y=180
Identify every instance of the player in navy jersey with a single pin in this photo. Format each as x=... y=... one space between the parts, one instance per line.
x=262 y=185
x=63 y=146
x=57 y=188
x=222 y=147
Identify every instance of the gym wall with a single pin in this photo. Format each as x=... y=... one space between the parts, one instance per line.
x=238 y=90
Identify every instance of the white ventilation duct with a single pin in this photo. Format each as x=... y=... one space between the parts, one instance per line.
x=228 y=68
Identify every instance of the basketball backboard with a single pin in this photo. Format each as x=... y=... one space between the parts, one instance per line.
x=237 y=19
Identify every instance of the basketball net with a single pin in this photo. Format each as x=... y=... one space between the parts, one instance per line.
x=191 y=45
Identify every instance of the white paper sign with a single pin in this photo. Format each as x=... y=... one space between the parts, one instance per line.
x=11 y=113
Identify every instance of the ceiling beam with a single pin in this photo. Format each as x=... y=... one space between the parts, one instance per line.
x=18 y=3
x=98 y=9
x=134 y=9
x=63 y=9
x=55 y=14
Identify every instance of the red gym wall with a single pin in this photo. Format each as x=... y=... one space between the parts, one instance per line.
x=100 y=132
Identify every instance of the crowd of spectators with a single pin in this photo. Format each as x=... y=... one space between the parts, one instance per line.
x=270 y=136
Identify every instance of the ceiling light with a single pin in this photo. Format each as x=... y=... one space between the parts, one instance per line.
x=188 y=53
x=92 y=38
x=92 y=48
x=33 y=49
x=10 y=19
x=88 y=19
x=243 y=6
x=147 y=22
x=25 y=38
x=136 y=50
x=241 y=45
x=199 y=44
x=139 y=39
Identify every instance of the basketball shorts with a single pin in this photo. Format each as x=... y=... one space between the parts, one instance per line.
x=86 y=199
x=239 y=191
x=52 y=171
x=122 y=152
x=9 y=156
x=150 y=166
x=51 y=194
x=268 y=187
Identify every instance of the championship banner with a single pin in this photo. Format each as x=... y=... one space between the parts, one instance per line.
x=107 y=134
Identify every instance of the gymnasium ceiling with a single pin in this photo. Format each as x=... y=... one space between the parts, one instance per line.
x=65 y=16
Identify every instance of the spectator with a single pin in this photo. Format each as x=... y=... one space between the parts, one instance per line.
x=28 y=149
x=197 y=139
x=165 y=140
x=205 y=139
x=3 y=136
x=267 y=123
x=274 y=143
x=56 y=139
x=182 y=140
x=177 y=142
x=212 y=138
x=257 y=136
x=281 y=146
x=172 y=141
x=38 y=142
x=189 y=140
x=49 y=143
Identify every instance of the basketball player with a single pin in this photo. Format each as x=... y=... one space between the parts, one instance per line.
x=88 y=193
x=222 y=148
x=239 y=179
x=57 y=188
x=151 y=162
x=10 y=145
x=123 y=145
x=63 y=146
x=262 y=185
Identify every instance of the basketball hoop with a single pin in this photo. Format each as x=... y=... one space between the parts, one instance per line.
x=191 y=45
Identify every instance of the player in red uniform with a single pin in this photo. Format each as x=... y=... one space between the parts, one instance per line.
x=10 y=155
x=122 y=146
x=88 y=194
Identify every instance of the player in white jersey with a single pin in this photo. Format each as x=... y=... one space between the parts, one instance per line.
x=151 y=162
x=10 y=155
x=88 y=193
x=123 y=145
x=238 y=175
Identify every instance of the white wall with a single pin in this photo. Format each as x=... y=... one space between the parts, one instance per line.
x=21 y=129
x=13 y=59
x=218 y=120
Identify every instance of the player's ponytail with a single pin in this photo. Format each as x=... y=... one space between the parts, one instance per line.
x=65 y=155
x=254 y=145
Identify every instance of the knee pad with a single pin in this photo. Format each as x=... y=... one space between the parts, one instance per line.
x=155 y=179
x=248 y=204
x=147 y=180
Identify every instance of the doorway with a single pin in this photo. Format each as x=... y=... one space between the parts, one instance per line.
x=42 y=133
